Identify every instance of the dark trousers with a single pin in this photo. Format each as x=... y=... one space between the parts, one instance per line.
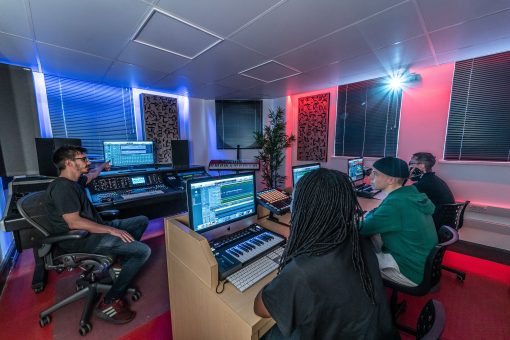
x=133 y=255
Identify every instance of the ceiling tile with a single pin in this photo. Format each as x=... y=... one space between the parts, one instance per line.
x=297 y=22
x=131 y=75
x=151 y=57
x=479 y=50
x=72 y=64
x=99 y=27
x=173 y=35
x=19 y=51
x=223 y=60
x=472 y=32
x=14 y=19
x=177 y=84
x=341 y=45
x=441 y=13
x=404 y=54
x=394 y=25
x=270 y=71
x=212 y=14
x=238 y=82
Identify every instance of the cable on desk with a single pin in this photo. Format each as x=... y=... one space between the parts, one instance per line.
x=222 y=286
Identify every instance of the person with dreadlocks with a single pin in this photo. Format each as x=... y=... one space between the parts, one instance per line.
x=328 y=284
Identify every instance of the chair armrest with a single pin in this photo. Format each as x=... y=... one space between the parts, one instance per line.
x=109 y=214
x=72 y=235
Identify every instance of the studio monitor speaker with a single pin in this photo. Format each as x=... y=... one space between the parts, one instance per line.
x=180 y=153
x=45 y=149
x=19 y=123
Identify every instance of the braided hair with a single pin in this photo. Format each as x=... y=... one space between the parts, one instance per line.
x=325 y=214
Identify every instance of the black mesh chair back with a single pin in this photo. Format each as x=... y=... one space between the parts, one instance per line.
x=452 y=214
x=33 y=209
x=431 y=276
x=431 y=321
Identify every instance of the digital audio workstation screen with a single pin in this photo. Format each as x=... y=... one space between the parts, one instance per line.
x=355 y=169
x=217 y=201
x=301 y=170
x=129 y=153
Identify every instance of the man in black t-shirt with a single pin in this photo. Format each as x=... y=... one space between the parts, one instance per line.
x=69 y=208
x=328 y=285
x=427 y=182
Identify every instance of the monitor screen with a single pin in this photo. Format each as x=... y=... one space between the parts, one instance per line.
x=121 y=154
x=299 y=171
x=216 y=201
x=355 y=169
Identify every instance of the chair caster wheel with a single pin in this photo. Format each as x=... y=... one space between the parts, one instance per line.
x=44 y=321
x=37 y=290
x=85 y=328
x=136 y=296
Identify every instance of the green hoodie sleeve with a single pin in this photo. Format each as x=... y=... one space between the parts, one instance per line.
x=384 y=218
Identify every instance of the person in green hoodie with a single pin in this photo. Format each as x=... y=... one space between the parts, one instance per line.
x=403 y=221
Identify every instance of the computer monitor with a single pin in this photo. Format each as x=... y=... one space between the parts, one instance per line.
x=355 y=169
x=299 y=171
x=125 y=154
x=217 y=201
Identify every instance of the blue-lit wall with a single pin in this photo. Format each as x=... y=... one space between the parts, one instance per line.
x=5 y=237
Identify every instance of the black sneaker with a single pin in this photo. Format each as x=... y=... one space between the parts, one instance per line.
x=116 y=312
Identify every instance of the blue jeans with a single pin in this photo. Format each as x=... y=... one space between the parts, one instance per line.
x=133 y=255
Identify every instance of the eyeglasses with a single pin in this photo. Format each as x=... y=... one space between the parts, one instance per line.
x=85 y=159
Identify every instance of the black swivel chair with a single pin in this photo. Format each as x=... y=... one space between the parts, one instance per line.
x=431 y=321
x=452 y=215
x=431 y=277
x=93 y=266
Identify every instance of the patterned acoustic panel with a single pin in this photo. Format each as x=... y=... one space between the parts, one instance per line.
x=161 y=124
x=312 y=143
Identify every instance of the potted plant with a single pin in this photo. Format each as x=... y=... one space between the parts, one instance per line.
x=273 y=141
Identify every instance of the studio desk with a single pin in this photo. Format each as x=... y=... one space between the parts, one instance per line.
x=153 y=191
x=198 y=312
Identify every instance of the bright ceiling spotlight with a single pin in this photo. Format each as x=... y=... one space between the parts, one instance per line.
x=396 y=82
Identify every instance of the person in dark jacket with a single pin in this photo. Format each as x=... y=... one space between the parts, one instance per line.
x=328 y=285
x=403 y=221
x=427 y=182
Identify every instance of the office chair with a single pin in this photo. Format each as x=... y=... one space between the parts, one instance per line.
x=93 y=266
x=452 y=215
x=431 y=277
x=431 y=321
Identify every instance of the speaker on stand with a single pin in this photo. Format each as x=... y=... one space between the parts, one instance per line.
x=180 y=153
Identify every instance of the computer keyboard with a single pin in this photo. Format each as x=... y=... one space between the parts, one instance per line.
x=256 y=271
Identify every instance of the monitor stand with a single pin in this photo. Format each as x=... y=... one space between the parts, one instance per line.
x=274 y=219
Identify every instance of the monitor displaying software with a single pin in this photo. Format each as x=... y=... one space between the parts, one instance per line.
x=355 y=169
x=216 y=201
x=299 y=171
x=121 y=154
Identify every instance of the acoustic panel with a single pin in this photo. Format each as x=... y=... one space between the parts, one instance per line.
x=161 y=124
x=312 y=143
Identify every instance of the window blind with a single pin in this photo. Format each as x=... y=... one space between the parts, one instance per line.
x=479 y=117
x=368 y=115
x=236 y=122
x=91 y=112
